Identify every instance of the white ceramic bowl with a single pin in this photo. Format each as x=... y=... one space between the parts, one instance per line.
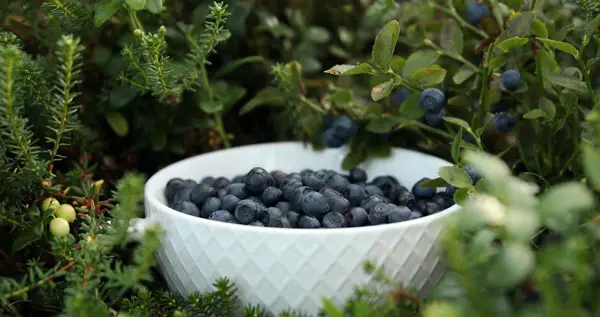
x=291 y=268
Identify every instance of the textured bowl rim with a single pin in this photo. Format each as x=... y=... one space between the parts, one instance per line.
x=152 y=186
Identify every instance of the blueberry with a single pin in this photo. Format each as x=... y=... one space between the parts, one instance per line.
x=415 y=215
x=208 y=180
x=338 y=204
x=232 y=220
x=373 y=190
x=290 y=187
x=400 y=95
x=343 y=128
x=313 y=180
x=432 y=100
x=394 y=180
x=431 y=208
x=370 y=202
x=448 y=201
x=334 y=220
x=357 y=175
x=402 y=196
x=308 y=222
x=315 y=204
x=434 y=119
x=221 y=193
x=271 y=195
x=210 y=205
x=357 y=217
x=279 y=177
x=476 y=11
x=238 y=190
x=229 y=202
x=284 y=206
x=246 y=211
x=297 y=197
x=449 y=190
x=472 y=173
x=419 y=205
x=330 y=140
x=379 y=214
x=355 y=194
x=511 y=79
x=188 y=208
x=423 y=192
x=337 y=182
x=384 y=183
x=237 y=179
x=275 y=218
x=306 y=171
x=257 y=180
x=221 y=215
x=329 y=192
x=184 y=194
x=505 y=122
x=292 y=217
x=399 y=214
x=257 y=224
x=221 y=182
x=173 y=186
x=201 y=192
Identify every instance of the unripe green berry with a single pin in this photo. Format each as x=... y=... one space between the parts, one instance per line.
x=138 y=32
x=66 y=212
x=162 y=30
x=50 y=203
x=59 y=227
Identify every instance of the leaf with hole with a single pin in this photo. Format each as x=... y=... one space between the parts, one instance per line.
x=382 y=90
x=345 y=69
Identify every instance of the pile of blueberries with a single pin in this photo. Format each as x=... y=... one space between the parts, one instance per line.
x=309 y=199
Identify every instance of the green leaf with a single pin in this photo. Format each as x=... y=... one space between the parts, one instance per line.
x=267 y=96
x=434 y=183
x=330 y=309
x=397 y=64
x=209 y=106
x=565 y=81
x=229 y=95
x=455 y=176
x=520 y=26
x=451 y=37
x=497 y=62
x=590 y=160
x=460 y=101
x=118 y=123
x=538 y=28
x=345 y=69
x=154 y=6
x=455 y=146
x=353 y=159
x=512 y=43
x=426 y=77
x=562 y=46
x=25 y=239
x=136 y=5
x=549 y=108
x=105 y=9
x=419 y=59
x=385 y=44
x=341 y=96
x=462 y=194
x=382 y=90
x=560 y=206
x=317 y=34
x=487 y=165
x=459 y=122
x=381 y=125
x=122 y=96
x=231 y=66
x=534 y=114
x=464 y=72
x=411 y=109
x=513 y=264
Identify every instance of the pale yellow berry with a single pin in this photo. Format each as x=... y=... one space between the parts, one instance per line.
x=59 y=227
x=50 y=203
x=66 y=212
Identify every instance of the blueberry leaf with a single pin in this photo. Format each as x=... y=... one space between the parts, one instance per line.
x=345 y=69
x=380 y=125
x=136 y=5
x=233 y=65
x=534 y=114
x=513 y=264
x=105 y=9
x=385 y=44
x=548 y=107
x=455 y=146
x=210 y=106
x=267 y=96
x=455 y=176
x=462 y=194
x=426 y=77
x=591 y=164
x=118 y=123
x=382 y=90
x=538 y=28
x=521 y=25
x=434 y=183
x=154 y=6
x=397 y=64
x=562 y=46
x=565 y=81
x=464 y=72
x=451 y=37
x=330 y=309
x=24 y=239
x=354 y=158
x=562 y=214
x=497 y=62
x=512 y=43
x=459 y=122
x=411 y=109
x=419 y=59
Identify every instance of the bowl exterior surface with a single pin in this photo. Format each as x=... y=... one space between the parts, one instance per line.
x=292 y=268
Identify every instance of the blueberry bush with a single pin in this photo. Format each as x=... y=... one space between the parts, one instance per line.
x=95 y=94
